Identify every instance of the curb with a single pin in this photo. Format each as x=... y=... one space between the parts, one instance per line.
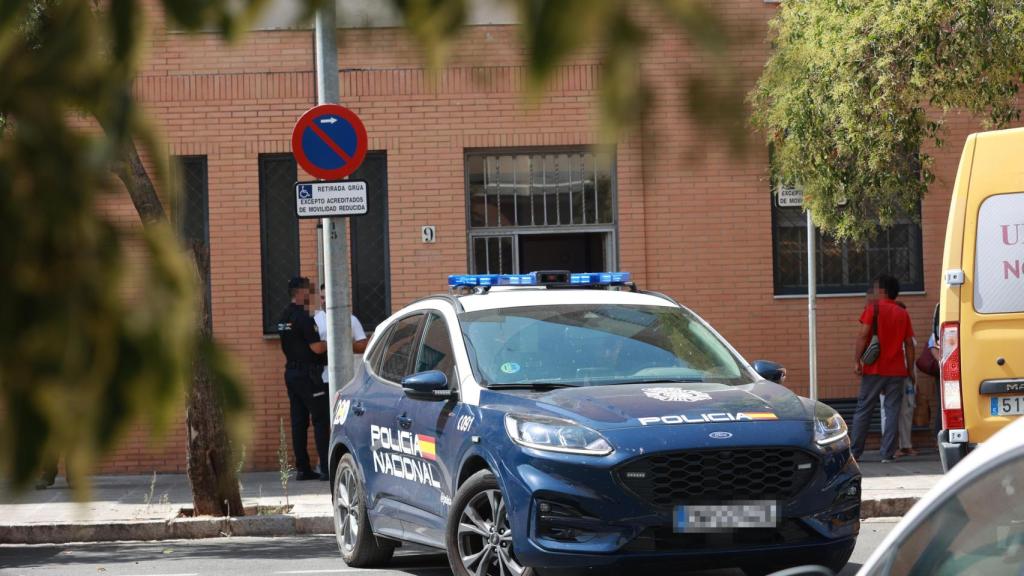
x=887 y=507
x=175 y=529
x=265 y=526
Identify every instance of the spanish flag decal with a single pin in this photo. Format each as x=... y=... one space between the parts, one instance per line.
x=428 y=446
x=761 y=415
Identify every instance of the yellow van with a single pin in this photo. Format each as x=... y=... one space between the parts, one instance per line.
x=981 y=304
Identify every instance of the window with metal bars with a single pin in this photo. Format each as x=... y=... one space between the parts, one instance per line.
x=562 y=188
x=843 y=268
x=279 y=234
x=191 y=210
x=371 y=282
x=562 y=197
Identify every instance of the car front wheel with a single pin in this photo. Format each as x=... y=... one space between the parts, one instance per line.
x=359 y=547
x=479 y=535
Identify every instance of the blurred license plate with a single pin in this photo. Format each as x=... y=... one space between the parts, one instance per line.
x=1008 y=405
x=731 y=516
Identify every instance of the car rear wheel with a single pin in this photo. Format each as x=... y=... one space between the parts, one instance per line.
x=479 y=535
x=359 y=547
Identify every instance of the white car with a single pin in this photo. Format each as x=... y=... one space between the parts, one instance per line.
x=970 y=524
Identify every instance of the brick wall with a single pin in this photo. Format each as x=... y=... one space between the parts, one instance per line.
x=694 y=217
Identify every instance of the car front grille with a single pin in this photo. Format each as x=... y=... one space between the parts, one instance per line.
x=664 y=480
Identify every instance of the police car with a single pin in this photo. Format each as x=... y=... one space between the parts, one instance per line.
x=551 y=421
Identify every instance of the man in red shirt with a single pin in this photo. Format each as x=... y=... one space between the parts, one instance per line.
x=888 y=374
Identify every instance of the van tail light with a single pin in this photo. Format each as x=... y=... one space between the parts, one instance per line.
x=952 y=399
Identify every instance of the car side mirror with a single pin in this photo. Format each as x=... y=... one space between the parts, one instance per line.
x=804 y=571
x=771 y=371
x=429 y=385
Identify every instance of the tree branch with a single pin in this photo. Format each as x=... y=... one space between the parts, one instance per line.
x=132 y=173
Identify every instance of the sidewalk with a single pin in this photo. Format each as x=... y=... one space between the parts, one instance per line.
x=892 y=489
x=137 y=508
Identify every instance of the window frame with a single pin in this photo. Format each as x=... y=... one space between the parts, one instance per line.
x=270 y=316
x=391 y=333
x=380 y=345
x=358 y=254
x=181 y=215
x=454 y=379
x=610 y=229
x=978 y=279
x=780 y=290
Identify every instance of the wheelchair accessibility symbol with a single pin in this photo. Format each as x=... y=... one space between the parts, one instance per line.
x=305 y=191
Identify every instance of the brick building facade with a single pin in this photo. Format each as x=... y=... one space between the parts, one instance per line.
x=684 y=212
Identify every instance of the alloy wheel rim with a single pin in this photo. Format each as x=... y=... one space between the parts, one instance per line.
x=346 y=510
x=485 y=537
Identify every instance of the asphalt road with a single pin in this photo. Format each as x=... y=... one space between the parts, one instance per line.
x=305 y=555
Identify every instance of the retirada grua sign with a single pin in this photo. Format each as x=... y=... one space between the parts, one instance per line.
x=330 y=199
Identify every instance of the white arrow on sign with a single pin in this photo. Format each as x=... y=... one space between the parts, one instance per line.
x=330 y=120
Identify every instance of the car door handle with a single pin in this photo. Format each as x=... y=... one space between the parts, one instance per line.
x=404 y=422
x=358 y=409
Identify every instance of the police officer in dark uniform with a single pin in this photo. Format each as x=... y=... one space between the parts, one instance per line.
x=305 y=352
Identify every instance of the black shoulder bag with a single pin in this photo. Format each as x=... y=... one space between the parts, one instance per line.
x=870 y=355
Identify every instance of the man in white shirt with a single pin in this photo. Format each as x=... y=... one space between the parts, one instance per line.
x=359 y=339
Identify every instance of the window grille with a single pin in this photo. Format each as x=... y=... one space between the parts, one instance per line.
x=371 y=282
x=843 y=268
x=279 y=234
x=192 y=210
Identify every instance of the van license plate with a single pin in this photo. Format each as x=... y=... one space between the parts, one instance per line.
x=1008 y=405
x=724 y=517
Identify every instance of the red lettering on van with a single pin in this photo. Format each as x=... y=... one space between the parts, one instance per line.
x=1011 y=267
x=1006 y=233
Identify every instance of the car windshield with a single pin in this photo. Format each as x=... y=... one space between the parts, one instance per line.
x=595 y=344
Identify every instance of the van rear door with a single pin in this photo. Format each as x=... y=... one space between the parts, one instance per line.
x=992 y=298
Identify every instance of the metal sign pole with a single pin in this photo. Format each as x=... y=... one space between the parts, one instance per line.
x=812 y=295
x=339 y=326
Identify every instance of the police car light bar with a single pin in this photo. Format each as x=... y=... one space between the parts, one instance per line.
x=542 y=278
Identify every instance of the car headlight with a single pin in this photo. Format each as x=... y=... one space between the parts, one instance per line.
x=555 y=435
x=829 y=426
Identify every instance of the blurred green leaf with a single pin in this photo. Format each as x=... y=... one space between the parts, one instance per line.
x=86 y=345
x=434 y=23
x=553 y=31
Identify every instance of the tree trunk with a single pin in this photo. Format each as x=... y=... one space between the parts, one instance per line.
x=210 y=471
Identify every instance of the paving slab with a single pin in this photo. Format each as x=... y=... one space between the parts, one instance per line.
x=911 y=476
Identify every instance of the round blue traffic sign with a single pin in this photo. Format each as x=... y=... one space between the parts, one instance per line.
x=329 y=141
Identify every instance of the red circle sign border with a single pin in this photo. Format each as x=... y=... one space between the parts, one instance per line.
x=361 y=142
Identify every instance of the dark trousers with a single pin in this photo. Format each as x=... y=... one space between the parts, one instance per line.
x=870 y=388
x=307 y=395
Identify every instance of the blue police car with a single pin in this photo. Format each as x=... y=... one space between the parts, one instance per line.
x=551 y=421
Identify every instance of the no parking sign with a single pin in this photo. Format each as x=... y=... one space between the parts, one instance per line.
x=329 y=141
